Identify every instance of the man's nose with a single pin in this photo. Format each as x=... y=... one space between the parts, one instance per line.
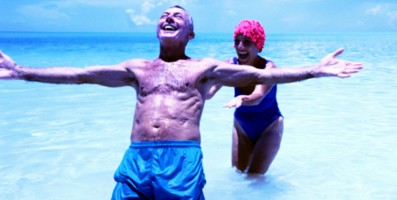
x=169 y=19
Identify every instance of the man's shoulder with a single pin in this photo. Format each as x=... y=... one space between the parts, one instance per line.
x=207 y=59
x=209 y=62
x=136 y=63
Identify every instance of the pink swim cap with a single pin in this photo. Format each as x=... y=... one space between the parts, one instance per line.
x=252 y=29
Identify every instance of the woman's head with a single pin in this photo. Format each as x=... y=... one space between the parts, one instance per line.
x=253 y=30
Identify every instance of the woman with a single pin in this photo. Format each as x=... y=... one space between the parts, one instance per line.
x=258 y=123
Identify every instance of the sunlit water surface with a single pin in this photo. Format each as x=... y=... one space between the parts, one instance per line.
x=65 y=141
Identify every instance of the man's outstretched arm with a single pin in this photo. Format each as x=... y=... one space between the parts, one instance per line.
x=240 y=75
x=111 y=76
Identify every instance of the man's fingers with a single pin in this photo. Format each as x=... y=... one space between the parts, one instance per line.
x=2 y=55
x=351 y=70
x=6 y=74
x=349 y=64
x=344 y=75
x=337 y=52
x=355 y=63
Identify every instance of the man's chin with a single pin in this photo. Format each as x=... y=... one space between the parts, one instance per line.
x=167 y=38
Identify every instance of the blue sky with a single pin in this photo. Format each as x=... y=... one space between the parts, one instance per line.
x=280 y=16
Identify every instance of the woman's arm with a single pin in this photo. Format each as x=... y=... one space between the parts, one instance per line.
x=260 y=91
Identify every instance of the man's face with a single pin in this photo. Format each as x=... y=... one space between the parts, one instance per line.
x=174 y=23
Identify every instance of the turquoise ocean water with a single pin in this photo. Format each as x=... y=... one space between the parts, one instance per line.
x=65 y=141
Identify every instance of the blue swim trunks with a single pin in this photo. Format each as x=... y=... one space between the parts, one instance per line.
x=160 y=170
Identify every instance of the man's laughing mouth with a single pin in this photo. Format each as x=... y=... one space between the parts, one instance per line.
x=169 y=27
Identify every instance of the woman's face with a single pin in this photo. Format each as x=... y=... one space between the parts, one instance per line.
x=246 y=50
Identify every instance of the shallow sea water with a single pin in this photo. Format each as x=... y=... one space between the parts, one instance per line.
x=65 y=142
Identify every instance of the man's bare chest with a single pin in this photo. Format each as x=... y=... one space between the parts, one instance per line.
x=167 y=78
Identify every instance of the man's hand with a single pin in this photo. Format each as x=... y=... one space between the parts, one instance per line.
x=329 y=66
x=7 y=67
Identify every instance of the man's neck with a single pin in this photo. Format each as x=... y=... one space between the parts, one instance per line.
x=171 y=54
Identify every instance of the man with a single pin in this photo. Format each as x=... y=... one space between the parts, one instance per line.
x=164 y=160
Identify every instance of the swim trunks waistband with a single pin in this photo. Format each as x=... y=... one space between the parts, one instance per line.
x=166 y=143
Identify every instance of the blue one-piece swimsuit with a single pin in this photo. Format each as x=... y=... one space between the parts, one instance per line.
x=255 y=119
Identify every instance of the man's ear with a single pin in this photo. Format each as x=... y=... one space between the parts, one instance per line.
x=191 y=35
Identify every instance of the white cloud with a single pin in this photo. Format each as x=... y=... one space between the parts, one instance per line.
x=140 y=12
x=139 y=19
x=142 y=20
x=387 y=12
x=107 y=3
x=147 y=6
x=375 y=10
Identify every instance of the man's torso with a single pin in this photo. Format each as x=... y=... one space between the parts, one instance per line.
x=169 y=100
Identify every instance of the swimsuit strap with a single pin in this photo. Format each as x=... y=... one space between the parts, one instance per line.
x=235 y=61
